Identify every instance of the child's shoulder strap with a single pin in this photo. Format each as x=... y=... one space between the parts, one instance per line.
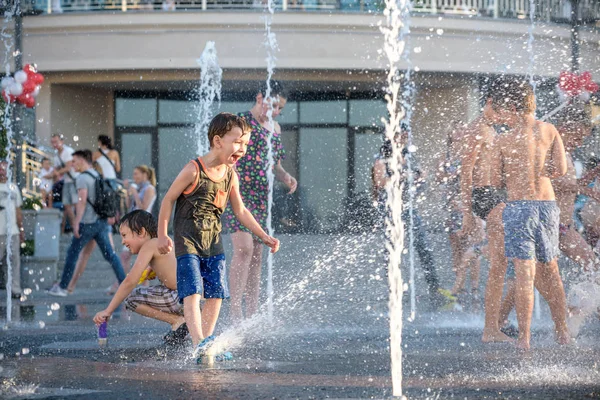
x=198 y=165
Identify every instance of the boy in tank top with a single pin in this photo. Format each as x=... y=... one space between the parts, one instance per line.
x=200 y=193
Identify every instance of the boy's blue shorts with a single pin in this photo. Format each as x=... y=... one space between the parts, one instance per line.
x=202 y=275
x=531 y=230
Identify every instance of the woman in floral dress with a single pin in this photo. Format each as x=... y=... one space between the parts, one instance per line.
x=246 y=264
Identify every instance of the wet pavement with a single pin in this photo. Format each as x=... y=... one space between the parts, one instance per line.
x=328 y=339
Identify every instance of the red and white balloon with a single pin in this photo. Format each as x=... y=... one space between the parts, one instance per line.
x=571 y=85
x=23 y=87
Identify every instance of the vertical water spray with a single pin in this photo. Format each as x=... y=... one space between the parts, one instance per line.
x=211 y=76
x=530 y=76
x=8 y=40
x=271 y=45
x=393 y=48
x=408 y=95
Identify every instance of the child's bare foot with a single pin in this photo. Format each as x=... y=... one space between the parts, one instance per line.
x=563 y=337
x=490 y=336
x=523 y=344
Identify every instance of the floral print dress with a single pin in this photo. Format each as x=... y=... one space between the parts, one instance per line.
x=252 y=173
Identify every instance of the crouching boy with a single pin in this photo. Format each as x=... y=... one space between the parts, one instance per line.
x=138 y=232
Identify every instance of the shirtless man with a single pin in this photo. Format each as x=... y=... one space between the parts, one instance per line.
x=487 y=203
x=525 y=160
x=139 y=233
x=574 y=126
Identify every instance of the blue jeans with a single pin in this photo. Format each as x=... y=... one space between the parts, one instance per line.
x=97 y=231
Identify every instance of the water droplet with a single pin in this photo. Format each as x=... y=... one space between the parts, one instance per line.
x=440 y=31
x=417 y=49
x=42 y=324
x=55 y=306
x=27 y=291
x=25 y=350
x=76 y=138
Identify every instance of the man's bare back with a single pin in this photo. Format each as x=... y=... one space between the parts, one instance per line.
x=528 y=157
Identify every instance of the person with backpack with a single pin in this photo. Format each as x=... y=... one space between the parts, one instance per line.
x=97 y=202
x=107 y=162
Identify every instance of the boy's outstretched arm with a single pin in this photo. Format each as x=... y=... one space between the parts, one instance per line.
x=129 y=283
x=186 y=178
x=246 y=218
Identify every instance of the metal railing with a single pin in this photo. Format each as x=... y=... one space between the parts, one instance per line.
x=31 y=165
x=545 y=10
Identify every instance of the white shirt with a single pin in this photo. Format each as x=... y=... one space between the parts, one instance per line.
x=10 y=199
x=65 y=155
x=46 y=184
x=108 y=171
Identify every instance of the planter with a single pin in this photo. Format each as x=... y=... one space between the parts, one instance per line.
x=47 y=233
x=40 y=270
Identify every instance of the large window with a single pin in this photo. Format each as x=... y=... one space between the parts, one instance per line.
x=330 y=143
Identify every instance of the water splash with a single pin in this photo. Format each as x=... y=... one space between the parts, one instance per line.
x=271 y=45
x=393 y=48
x=334 y=276
x=211 y=75
x=407 y=99
x=8 y=40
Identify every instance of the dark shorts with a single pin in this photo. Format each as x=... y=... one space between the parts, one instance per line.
x=531 y=230
x=202 y=275
x=485 y=199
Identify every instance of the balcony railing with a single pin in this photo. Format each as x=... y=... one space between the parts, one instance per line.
x=545 y=10
x=31 y=165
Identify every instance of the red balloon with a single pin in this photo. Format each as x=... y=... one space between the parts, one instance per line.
x=30 y=102
x=29 y=69
x=38 y=79
x=22 y=98
x=29 y=86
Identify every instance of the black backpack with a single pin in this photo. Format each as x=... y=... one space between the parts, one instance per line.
x=106 y=203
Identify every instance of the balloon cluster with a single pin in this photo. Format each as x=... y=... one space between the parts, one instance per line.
x=571 y=84
x=23 y=87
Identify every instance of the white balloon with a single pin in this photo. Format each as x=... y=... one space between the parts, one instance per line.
x=16 y=89
x=584 y=96
x=36 y=91
x=20 y=76
x=6 y=81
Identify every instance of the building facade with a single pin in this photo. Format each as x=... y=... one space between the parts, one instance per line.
x=128 y=69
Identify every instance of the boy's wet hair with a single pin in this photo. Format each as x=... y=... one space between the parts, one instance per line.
x=223 y=123
x=511 y=91
x=138 y=219
x=85 y=154
x=573 y=114
x=276 y=89
x=45 y=159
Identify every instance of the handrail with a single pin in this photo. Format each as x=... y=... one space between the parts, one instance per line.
x=31 y=165
x=548 y=10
